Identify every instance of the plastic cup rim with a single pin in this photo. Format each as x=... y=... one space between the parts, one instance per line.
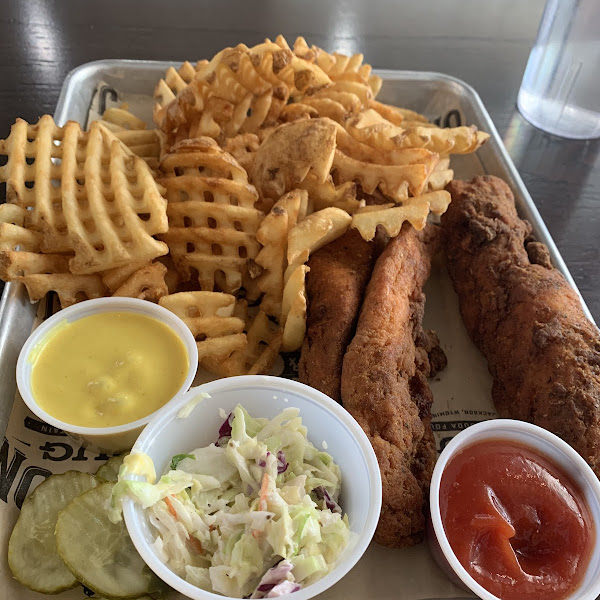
x=101 y=305
x=133 y=514
x=501 y=429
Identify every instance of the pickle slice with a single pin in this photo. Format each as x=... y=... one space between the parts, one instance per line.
x=109 y=471
x=99 y=553
x=96 y=597
x=32 y=554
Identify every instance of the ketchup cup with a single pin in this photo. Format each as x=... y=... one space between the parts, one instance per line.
x=544 y=443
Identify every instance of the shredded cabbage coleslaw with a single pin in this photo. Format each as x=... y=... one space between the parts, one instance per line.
x=254 y=515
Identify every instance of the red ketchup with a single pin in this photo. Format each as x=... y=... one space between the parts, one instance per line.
x=516 y=522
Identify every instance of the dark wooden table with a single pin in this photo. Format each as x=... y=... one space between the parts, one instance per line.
x=483 y=43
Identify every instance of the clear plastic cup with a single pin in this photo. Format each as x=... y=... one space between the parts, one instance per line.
x=560 y=91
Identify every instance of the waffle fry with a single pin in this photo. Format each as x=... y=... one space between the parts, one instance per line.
x=314 y=232
x=395 y=181
x=455 y=140
x=209 y=316
x=258 y=356
x=293 y=310
x=173 y=82
x=327 y=194
x=115 y=278
x=68 y=287
x=146 y=283
x=18 y=264
x=240 y=90
x=13 y=235
x=391 y=218
x=243 y=148
x=337 y=66
x=213 y=222
x=441 y=176
x=120 y=119
x=273 y=235
x=99 y=201
x=139 y=210
x=397 y=115
x=290 y=154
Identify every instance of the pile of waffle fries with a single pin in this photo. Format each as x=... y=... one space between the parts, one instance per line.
x=260 y=157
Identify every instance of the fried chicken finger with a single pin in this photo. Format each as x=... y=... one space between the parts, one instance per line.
x=335 y=285
x=542 y=351
x=384 y=384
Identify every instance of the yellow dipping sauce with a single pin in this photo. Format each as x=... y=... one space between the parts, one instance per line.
x=107 y=369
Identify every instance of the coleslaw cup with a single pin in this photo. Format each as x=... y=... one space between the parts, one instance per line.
x=103 y=439
x=550 y=446
x=326 y=421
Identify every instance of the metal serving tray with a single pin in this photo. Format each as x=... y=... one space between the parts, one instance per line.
x=461 y=392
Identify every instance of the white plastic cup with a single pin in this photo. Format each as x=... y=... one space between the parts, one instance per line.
x=103 y=439
x=544 y=442
x=560 y=92
x=263 y=396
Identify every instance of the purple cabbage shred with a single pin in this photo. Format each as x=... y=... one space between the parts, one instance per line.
x=282 y=465
x=322 y=494
x=274 y=582
x=225 y=431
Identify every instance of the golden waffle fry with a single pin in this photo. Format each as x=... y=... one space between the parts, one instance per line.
x=439 y=201
x=373 y=131
x=395 y=181
x=115 y=278
x=146 y=283
x=259 y=354
x=243 y=148
x=337 y=66
x=328 y=194
x=13 y=235
x=273 y=235
x=297 y=111
x=322 y=107
x=453 y=140
x=33 y=176
x=212 y=218
x=210 y=318
x=240 y=90
x=68 y=287
x=174 y=81
x=290 y=153
x=102 y=240
x=293 y=310
x=121 y=118
x=441 y=176
x=316 y=231
x=18 y=264
x=87 y=193
x=392 y=218
x=143 y=142
x=397 y=115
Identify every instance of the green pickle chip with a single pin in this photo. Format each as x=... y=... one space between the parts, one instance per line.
x=109 y=471
x=32 y=554
x=99 y=553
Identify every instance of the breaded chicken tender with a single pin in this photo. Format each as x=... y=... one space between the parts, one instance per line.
x=542 y=351
x=335 y=285
x=384 y=383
